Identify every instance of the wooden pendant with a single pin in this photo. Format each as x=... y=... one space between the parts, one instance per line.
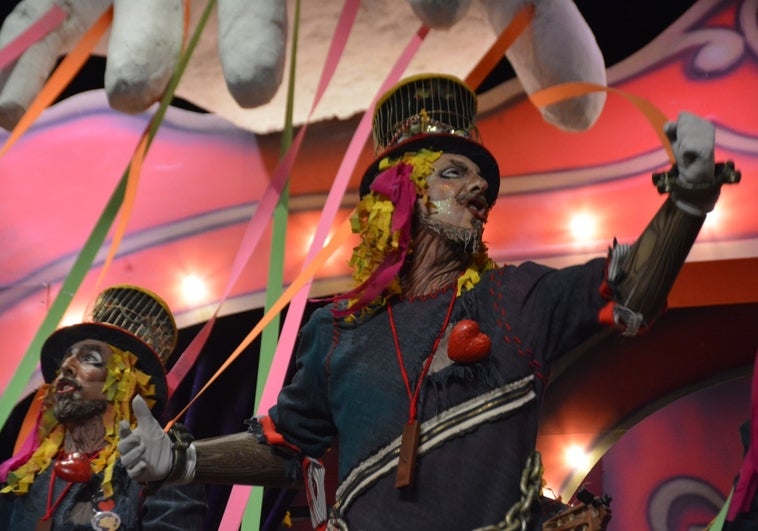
x=408 y=450
x=44 y=524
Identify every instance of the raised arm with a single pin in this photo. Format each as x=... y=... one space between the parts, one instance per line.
x=644 y=272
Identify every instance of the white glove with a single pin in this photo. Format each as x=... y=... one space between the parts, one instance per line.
x=693 y=141
x=147 y=451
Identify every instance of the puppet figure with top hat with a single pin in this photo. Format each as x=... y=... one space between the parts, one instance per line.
x=427 y=376
x=68 y=473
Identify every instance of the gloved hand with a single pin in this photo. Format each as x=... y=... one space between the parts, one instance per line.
x=693 y=142
x=146 y=452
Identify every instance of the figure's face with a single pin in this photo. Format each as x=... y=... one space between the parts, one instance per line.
x=456 y=193
x=79 y=386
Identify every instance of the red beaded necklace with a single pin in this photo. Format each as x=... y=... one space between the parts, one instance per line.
x=412 y=428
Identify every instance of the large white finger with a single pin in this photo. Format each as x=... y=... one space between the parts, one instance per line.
x=439 y=14
x=252 y=43
x=557 y=47
x=20 y=82
x=144 y=47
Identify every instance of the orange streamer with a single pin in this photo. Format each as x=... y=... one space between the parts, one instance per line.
x=29 y=423
x=495 y=54
x=305 y=276
x=564 y=91
x=61 y=77
x=135 y=169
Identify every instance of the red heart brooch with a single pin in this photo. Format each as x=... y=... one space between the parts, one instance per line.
x=74 y=467
x=467 y=344
x=106 y=505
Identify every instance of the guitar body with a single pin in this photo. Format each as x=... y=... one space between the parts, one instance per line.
x=590 y=514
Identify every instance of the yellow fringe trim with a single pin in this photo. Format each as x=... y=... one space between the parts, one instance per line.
x=372 y=220
x=122 y=383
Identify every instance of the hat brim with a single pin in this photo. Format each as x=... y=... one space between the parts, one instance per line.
x=446 y=143
x=56 y=346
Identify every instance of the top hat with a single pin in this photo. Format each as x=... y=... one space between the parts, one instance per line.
x=430 y=111
x=129 y=318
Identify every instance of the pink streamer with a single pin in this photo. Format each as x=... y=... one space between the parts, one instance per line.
x=253 y=233
x=266 y=207
x=265 y=211
x=52 y=18
x=30 y=444
x=747 y=485
x=331 y=207
x=25 y=452
x=240 y=494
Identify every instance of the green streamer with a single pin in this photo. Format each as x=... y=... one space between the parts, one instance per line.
x=718 y=523
x=251 y=519
x=69 y=287
x=86 y=257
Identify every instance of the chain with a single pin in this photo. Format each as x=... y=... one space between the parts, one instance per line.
x=518 y=516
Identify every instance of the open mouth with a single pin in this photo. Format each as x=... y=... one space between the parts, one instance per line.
x=478 y=207
x=66 y=386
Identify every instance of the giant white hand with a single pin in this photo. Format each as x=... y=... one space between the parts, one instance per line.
x=145 y=452
x=143 y=49
x=22 y=80
x=250 y=45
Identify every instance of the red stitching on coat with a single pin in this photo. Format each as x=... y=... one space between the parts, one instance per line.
x=504 y=324
x=332 y=348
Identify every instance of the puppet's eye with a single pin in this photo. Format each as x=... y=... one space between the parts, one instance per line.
x=451 y=172
x=92 y=357
x=91 y=354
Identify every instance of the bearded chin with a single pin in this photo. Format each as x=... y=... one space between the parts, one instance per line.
x=461 y=239
x=78 y=410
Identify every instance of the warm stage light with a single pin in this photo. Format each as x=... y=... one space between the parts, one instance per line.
x=194 y=289
x=576 y=458
x=583 y=227
x=712 y=220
